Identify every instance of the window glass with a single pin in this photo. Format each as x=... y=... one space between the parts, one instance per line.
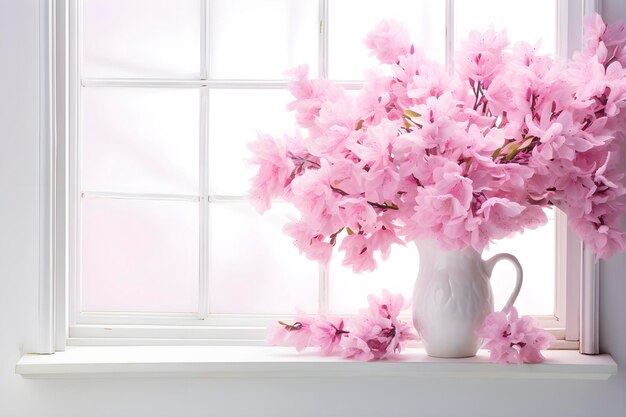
x=139 y=255
x=528 y=20
x=141 y=38
x=235 y=117
x=349 y=291
x=535 y=249
x=260 y=39
x=141 y=140
x=351 y=20
x=253 y=267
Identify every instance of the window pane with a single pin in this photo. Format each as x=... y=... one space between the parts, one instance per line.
x=535 y=249
x=528 y=20
x=253 y=266
x=139 y=255
x=142 y=38
x=141 y=140
x=262 y=38
x=351 y=20
x=349 y=291
x=234 y=118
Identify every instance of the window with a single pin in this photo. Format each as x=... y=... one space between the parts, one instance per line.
x=163 y=97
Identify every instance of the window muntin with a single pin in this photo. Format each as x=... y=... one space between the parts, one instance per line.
x=220 y=106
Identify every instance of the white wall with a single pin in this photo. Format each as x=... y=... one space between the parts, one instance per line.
x=232 y=397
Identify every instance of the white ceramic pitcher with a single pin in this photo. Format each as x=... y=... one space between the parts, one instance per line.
x=452 y=297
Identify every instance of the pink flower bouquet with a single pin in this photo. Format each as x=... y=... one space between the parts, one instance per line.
x=463 y=159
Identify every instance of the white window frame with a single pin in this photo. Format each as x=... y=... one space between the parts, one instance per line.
x=60 y=324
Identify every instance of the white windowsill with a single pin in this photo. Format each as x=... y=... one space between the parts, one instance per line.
x=254 y=361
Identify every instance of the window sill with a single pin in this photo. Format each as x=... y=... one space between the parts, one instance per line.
x=251 y=361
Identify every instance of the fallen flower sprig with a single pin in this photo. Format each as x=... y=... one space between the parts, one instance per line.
x=375 y=333
x=514 y=339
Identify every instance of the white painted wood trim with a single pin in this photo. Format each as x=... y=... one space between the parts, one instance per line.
x=46 y=178
x=560 y=293
x=266 y=362
x=203 y=162
x=103 y=341
x=589 y=304
x=61 y=90
x=573 y=266
x=322 y=58
x=117 y=329
x=323 y=277
x=203 y=206
x=197 y=83
x=449 y=45
x=590 y=273
x=73 y=71
x=591 y=6
x=562 y=28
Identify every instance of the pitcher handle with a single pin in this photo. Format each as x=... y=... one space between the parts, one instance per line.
x=491 y=263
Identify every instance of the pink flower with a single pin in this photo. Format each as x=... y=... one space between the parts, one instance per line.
x=357 y=214
x=593 y=29
x=388 y=306
x=379 y=327
x=327 y=334
x=381 y=184
x=440 y=127
x=535 y=342
x=514 y=339
x=374 y=100
x=443 y=209
x=309 y=242
x=604 y=239
x=357 y=253
x=560 y=137
x=431 y=81
x=481 y=58
x=309 y=95
x=297 y=335
x=383 y=239
x=371 y=337
x=388 y=41
x=615 y=34
x=356 y=348
x=312 y=193
x=499 y=218
x=332 y=127
x=616 y=84
x=274 y=169
x=374 y=149
x=500 y=97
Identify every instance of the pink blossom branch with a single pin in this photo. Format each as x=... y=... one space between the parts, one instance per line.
x=375 y=333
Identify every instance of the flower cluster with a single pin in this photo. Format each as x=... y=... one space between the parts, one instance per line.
x=463 y=159
x=375 y=333
x=514 y=339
